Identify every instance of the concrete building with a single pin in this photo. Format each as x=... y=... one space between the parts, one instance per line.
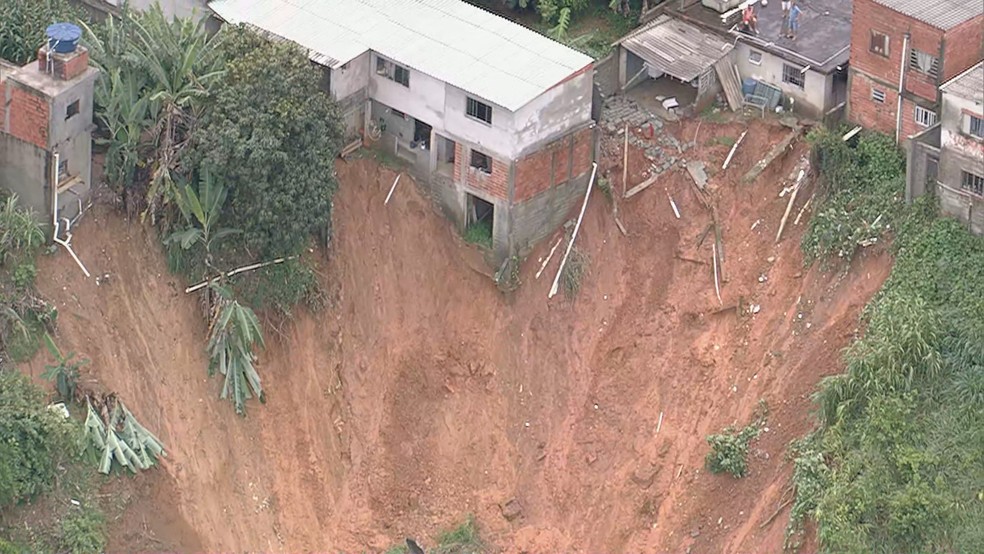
x=901 y=50
x=493 y=118
x=948 y=158
x=810 y=71
x=45 y=132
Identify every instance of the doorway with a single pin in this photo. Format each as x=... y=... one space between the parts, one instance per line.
x=480 y=221
x=445 y=155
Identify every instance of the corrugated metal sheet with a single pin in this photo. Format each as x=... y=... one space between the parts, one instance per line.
x=969 y=84
x=942 y=14
x=467 y=47
x=677 y=48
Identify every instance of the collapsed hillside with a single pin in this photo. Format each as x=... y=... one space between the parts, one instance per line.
x=422 y=394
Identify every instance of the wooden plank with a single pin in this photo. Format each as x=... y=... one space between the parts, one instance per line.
x=641 y=186
x=732 y=88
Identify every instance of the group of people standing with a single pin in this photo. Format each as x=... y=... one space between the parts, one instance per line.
x=790 y=18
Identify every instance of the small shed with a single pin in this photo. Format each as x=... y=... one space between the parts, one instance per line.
x=673 y=60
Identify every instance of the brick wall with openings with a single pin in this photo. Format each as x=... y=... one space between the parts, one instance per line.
x=28 y=116
x=878 y=116
x=551 y=165
x=495 y=184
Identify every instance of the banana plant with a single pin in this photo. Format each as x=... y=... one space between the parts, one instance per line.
x=235 y=334
x=201 y=210
x=65 y=372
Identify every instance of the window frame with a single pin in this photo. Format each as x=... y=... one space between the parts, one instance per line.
x=478 y=107
x=793 y=75
x=914 y=65
x=886 y=43
x=875 y=93
x=482 y=156
x=972 y=183
x=968 y=128
x=926 y=112
x=751 y=57
x=392 y=70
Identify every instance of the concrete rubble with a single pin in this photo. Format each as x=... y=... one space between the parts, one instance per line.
x=662 y=149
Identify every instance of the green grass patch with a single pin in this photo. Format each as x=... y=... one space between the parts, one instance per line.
x=463 y=539
x=480 y=233
x=897 y=461
x=720 y=141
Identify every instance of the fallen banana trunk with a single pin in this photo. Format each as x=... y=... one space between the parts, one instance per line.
x=121 y=439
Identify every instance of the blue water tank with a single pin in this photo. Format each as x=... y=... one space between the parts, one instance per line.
x=63 y=37
x=748 y=86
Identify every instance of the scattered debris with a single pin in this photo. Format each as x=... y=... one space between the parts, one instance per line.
x=395 y=181
x=659 y=425
x=673 y=205
x=641 y=186
x=698 y=174
x=733 y=149
x=850 y=134
x=644 y=475
x=549 y=256
x=756 y=224
x=511 y=509
x=776 y=151
x=714 y=259
x=789 y=206
x=803 y=209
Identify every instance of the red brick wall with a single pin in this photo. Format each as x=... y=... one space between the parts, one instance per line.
x=549 y=166
x=964 y=47
x=495 y=184
x=868 y=113
x=65 y=66
x=28 y=117
x=3 y=106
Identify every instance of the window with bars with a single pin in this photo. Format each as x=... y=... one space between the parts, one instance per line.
x=878 y=95
x=879 y=43
x=479 y=110
x=924 y=63
x=793 y=75
x=924 y=117
x=973 y=183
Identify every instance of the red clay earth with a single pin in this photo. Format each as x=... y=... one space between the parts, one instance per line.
x=422 y=394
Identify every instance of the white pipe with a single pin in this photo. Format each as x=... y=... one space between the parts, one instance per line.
x=54 y=220
x=556 y=283
x=898 y=109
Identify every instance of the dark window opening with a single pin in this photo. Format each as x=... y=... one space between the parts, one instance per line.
x=479 y=110
x=398 y=113
x=879 y=43
x=401 y=75
x=481 y=162
x=973 y=183
x=481 y=222
x=62 y=170
x=421 y=135
x=975 y=126
x=924 y=63
x=72 y=109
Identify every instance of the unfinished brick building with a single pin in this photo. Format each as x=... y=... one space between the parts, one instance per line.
x=901 y=51
x=45 y=130
x=492 y=118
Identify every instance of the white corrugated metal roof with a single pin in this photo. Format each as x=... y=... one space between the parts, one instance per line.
x=677 y=48
x=460 y=44
x=968 y=85
x=942 y=14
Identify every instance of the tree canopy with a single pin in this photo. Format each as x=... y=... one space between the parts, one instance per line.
x=273 y=134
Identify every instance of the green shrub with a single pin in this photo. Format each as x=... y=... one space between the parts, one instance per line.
x=897 y=463
x=83 y=531
x=280 y=287
x=33 y=439
x=729 y=450
x=862 y=193
x=574 y=272
x=24 y=275
x=480 y=233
